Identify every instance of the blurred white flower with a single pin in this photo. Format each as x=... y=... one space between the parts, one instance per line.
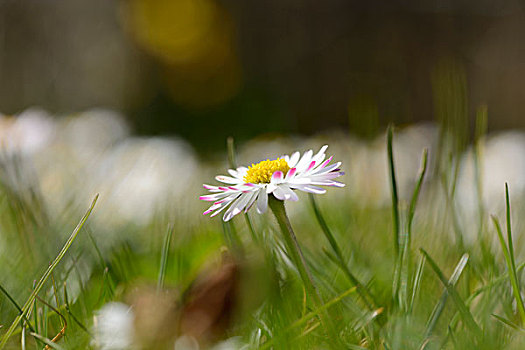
x=186 y=342
x=502 y=160
x=113 y=327
x=27 y=133
x=93 y=132
x=141 y=175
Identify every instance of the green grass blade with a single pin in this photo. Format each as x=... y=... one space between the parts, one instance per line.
x=45 y=276
x=97 y=250
x=8 y=296
x=405 y=249
x=519 y=299
x=393 y=184
x=462 y=308
x=512 y=269
x=363 y=292
x=508 y=323
x=164 y=258
x=395 y=215
x=47 y=341
x=417 y=190
x=438 y=309
x=317 y=312
x=70 y=313
x=417 y=283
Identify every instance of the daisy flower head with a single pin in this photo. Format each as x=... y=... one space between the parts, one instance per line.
x=280 y=177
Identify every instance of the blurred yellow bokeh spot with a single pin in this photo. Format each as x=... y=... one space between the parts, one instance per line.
x=195 y=42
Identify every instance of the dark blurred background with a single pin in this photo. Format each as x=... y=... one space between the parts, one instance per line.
x=207 y=69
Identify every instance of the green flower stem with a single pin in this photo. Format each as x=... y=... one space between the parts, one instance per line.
x=293 y=248
x=297 y=256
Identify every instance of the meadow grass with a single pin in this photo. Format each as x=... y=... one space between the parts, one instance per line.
x=394 y=276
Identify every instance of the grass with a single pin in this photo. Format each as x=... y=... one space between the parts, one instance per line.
x=390 y=276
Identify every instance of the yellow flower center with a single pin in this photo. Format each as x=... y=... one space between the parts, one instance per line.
x=262 y=172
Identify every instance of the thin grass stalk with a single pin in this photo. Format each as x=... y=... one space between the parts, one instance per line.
x=308 y=316
x=519 y=299
x=395 y=215
x=47 y=341
x=363 y=292
x=62 y=331
x=15 y=304
x=45 y=276
x=70 y=313
x=512 y=270
x=417 y=283
x=465 y=313
x=480 y=290
x=508 y=323
x=438 y=309
x=406 y=248
x=164 y=258
x=393 y=184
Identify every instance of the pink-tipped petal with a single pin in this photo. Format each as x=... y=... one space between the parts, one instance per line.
x=277 y=177
x=324 y=164
x=304 y=161
x=311 y=166
x=291 y=173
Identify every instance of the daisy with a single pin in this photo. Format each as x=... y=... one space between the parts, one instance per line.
x=280 y=177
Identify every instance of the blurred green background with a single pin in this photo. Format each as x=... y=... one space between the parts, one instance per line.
x=208 y=69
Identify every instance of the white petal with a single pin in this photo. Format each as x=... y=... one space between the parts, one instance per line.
x=292 y=161
x=227 y=179
x=327 y=169
x=237 y=206
x=241 y=172
x=211 y=188
x=309 y=188
x=319 y=157
x=284 y=193
x=290 y=194
x=278 y=193
x=251 y=201
x=218 y=211
x=225 y=204
x=214 y=197
x=328 y=183
x=262 y=201
x=304 y=162
x=300 y=180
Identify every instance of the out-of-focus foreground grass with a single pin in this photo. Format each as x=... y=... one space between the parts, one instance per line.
x=415 y=261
